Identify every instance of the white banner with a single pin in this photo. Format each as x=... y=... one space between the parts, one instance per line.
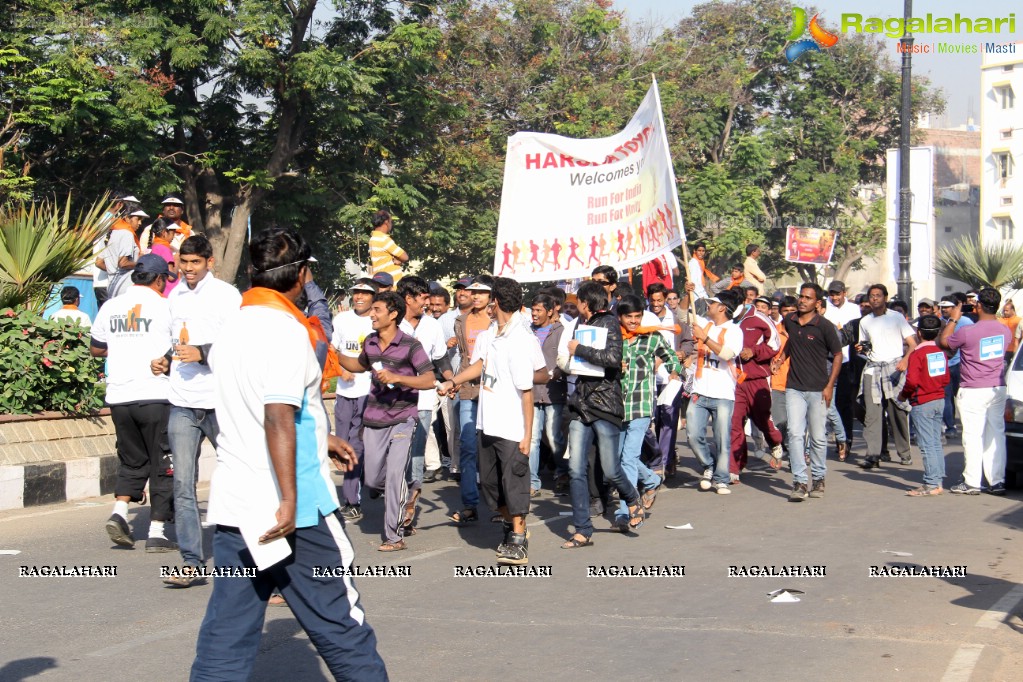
x=570 y=205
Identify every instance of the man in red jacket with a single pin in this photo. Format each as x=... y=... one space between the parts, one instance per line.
x=760 y=343
x=926 y=378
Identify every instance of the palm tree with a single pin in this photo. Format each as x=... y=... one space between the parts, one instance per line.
x=997 y=265
x=40 y=246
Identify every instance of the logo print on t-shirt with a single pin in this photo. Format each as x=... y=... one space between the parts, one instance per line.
x=132 y=322
x=992 y=347
x=936 y=366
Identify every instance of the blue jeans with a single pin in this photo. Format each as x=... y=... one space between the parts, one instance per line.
x=468 y=457
x=630 y=447
x=927 y=422
x=951 y=389
x=418 y=451
x=580 y=438
x=701 y=409
x=186 y=427
x=546 y=420
x=806 y=413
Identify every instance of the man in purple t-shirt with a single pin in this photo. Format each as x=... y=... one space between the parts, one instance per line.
x=981 y=397
x=400 y=369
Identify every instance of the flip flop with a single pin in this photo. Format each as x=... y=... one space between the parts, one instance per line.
x=392 y=546
x=573 y=543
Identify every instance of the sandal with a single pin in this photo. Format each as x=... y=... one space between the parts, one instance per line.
x=410 y=513
x=639 y=514
x=843 y=451
x=574 y=543
x=925 y=491
x=392 y=546
x=277 y=600
x=466 y=516
x=775 y=463
x=649 y=497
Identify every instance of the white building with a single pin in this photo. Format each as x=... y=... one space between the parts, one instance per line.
x=1001 y=147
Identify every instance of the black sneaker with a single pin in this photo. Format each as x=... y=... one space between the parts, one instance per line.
x=798 y=493
x=886 y=457
x=515 y=551
x=351 y=512
x=997 y=489
x=158 y=545
x=817 y=490
x=963 y=489
x=117 y=529
x=870 y=463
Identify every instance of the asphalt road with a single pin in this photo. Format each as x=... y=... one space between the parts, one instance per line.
x=433 y=625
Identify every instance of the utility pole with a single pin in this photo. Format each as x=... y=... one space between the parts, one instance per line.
x=905 y=286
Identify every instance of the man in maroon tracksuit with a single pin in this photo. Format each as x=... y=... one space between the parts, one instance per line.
x=760 y=343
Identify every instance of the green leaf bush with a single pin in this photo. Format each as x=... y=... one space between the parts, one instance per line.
x=45 y=366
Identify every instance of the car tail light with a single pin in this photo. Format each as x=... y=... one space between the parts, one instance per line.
x=1014 y=411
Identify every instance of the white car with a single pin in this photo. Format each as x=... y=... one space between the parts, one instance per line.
x=1014 y=423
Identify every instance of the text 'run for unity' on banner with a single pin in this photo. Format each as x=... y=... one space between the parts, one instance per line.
x=568 y=205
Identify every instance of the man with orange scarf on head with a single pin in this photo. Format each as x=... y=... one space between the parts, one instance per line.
x=698 y=272
x=644 y=349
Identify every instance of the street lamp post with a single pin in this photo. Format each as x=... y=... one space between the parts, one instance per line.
x=905 y=286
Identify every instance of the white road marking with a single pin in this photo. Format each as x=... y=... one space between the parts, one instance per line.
x=960 y=668
x=996 y=615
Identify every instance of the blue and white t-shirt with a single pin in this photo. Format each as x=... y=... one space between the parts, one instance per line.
x=263 y=356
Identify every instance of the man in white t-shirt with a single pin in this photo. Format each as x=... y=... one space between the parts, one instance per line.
x=71 y=298
x=841 y=312
x=507 y=358
x=351 y=327
x=130 y=330
x=887 y=340
x=199 y=310
x=271 y=496
x=718 y=342
x=696 y=268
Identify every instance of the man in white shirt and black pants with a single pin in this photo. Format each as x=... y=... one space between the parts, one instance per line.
x=841 y=312
x=130 y=330
x=506 y=359
x=199 y=311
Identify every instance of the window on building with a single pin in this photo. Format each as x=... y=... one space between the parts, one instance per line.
x=1007 y=68
x=1006 y=134
x=948 y=288
x=948 y=228
x=1003 y=165
x=1005 y=97
x=1005 y=228
x=1006 y=201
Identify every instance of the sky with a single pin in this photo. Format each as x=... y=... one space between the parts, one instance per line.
x=957 y=75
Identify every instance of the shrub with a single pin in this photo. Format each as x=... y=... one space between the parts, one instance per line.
x=45 y=365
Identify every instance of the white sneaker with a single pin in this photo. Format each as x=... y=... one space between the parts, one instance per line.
x=722 y=489
x=705 y=483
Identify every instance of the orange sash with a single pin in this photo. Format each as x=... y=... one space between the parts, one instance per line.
x=268 y=298
x=707 y=273
x=122 y=224
x=626 y=335
x=161 y=240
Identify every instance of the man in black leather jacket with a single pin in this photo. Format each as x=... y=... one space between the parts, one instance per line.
x=596 y=411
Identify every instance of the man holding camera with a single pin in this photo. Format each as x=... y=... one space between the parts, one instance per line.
x=884 y=334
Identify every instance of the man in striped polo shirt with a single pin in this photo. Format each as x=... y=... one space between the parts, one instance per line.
x=384 y=254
